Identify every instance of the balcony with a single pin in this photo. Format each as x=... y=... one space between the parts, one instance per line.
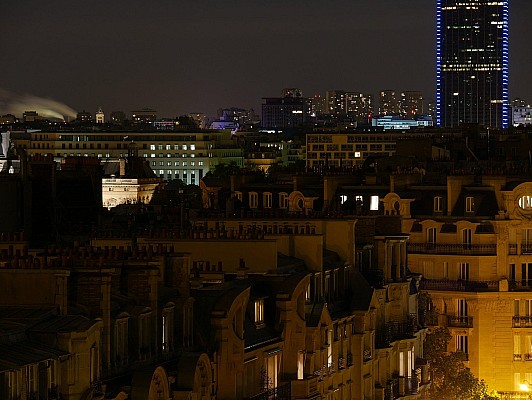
x=281 y=392
x=524 y=285
x=459 y=285
x=459 y=321
x=526 y=248
x=305 y=388
x=395 y=330
x=453 y=249
x=399 y=387
x=522 y=322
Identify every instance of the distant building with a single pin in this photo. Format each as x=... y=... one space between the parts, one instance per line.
x=284 y=112
x=143 y=116
x=132 y=181
x=388 y=104
x=518 y=102
x=335 y=101
x=359 y=105
x=31 y=116
x=100 y=116
x=317 y=105
x=291 y=92
x=180 y=155
x=472 y=63
x=522 y=115
x=200 y=119
x=240 y=116
x=8 y=119
x=84 y=116
x=411 y=104
x=392 y=122
x=118 y=117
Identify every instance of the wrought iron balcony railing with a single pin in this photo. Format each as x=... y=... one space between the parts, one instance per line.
x=523 y=285
x=453 y=249
x=459 y=285
x=281 y=392
x=522 y=321
x=459 y=321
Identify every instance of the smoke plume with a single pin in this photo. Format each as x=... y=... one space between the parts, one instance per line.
x=17 y=104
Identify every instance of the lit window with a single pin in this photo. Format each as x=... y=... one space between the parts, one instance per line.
x=437 y=204
x=431 y=235
x=259 y=311
x=525 y=202
x=159 y=146
x=374 y=204
x=184 y=147
x=192 y=147
x=253 y=199
x=462 y=343
x=470 y=204
x=343 y=199
x=200 y=163
x=152 y=147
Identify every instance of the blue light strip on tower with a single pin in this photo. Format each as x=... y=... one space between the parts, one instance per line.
x=505 y=66
x=438 y=64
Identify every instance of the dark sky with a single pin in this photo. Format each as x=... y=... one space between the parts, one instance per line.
x=182 y=56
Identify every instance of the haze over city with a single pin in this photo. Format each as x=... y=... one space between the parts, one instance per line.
x=197 y=56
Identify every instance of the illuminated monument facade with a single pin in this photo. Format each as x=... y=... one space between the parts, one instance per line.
x=472 y=63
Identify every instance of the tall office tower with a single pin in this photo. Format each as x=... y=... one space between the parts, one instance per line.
x=388 y=103
x=411 y=104
x=359 y=106
x=472 y=63
x=335 y=102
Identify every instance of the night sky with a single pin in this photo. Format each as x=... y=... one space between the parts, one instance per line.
x=196 y=56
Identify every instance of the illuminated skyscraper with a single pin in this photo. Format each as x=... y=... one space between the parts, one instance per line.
x=472 y=63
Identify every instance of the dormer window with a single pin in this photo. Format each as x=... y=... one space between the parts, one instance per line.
x=374 y=204
x=253 y=199
x=267 y=200
x=259 y=312
x=431 y=235
x=283 y=200
x=307 y=293
x=525 y=202
x=438 y=204
x=470 y=204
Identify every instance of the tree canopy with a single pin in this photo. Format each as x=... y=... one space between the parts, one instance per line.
x=451 y=380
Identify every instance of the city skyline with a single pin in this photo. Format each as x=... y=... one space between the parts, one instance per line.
x=196 y=58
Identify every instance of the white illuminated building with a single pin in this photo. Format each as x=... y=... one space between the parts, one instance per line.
x=133 y=183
